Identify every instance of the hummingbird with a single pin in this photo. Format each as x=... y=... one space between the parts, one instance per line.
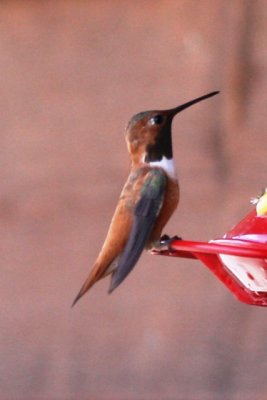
x=148 y=198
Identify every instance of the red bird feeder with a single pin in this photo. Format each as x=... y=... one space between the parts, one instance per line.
x=239 y=259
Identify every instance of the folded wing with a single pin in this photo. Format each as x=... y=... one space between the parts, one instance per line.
x=146 y=211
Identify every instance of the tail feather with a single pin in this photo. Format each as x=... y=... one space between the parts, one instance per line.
x=86 y=286
x=93 y=277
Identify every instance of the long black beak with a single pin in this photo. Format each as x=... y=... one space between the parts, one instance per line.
x=176 y=110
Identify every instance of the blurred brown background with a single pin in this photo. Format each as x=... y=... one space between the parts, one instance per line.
x=72 y=73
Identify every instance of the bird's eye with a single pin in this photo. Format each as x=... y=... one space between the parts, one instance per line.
x=156 y=120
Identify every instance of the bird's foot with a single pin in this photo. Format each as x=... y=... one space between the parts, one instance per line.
x=166 y=239
x=164 y=243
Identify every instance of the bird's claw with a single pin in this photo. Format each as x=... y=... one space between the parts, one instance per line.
x=164 y=243
x=166 y=240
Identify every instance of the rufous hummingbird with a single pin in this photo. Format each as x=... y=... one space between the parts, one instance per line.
x=148 y=198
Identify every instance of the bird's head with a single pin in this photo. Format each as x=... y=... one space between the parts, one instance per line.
x=148 y=134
